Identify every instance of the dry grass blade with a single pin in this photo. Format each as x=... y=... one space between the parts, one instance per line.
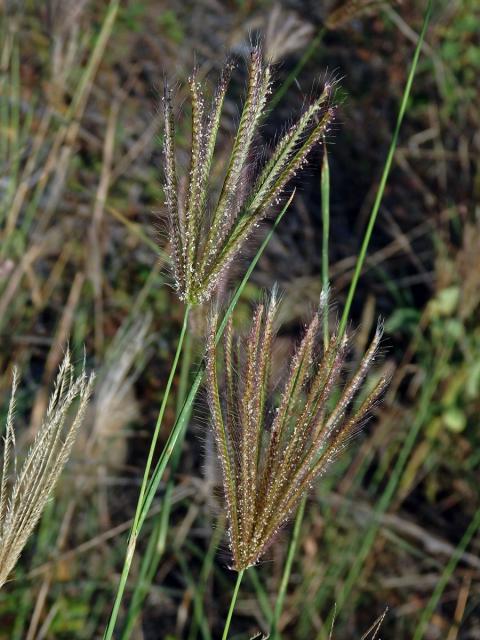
x=271 y=455
x=206 y=235
x=23 y=497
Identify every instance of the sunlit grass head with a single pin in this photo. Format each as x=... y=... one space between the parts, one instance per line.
x=24 y=493
x=207 y=231
x=273 y=444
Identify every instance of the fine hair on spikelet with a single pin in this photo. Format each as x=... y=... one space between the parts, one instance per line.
x=273 y=446
x=206 y=236
x=24 y=493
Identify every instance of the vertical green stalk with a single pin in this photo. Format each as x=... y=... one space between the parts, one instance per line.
x=292 y=547
x=361 y=256
x=198 y=609
x=232 y=605
x=158 y=537
x=385 y=173
x=145 y=577
x=138 y=521
x=325 y=188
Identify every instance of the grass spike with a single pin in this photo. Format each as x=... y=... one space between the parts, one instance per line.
x=206 y=237
x=22 y=505
x=280 y=458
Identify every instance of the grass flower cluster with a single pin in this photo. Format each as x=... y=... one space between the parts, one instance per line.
x=272 y=447
x=24 y=495
x=206 y=236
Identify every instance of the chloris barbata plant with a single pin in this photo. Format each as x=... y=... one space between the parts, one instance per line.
x=206 y=235
x=272 y=449
x=23 y=494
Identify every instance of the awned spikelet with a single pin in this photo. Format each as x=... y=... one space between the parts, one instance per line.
x=23 y=494
x=272 y=446
x=206 y=236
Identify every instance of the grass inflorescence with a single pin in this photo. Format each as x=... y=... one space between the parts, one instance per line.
x=207 y=231
x=273 y=447
x=24 y=495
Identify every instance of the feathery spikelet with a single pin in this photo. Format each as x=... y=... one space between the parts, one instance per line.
x=23 y=497
x=270 y=457
x=205 y=238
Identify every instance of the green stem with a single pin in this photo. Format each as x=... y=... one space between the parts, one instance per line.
x=232 y=605
x=385 y=173
x=138 y=520
x=360 y=260
x=325 y=185
x=158 y=537
x=144 y=580
x=199 y=614
x=292 y=548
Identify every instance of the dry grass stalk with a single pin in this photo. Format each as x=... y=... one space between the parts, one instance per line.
x=23 y=498
x=205 y=236
x=271 y=455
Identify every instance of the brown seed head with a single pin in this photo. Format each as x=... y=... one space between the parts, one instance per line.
x=270 y=457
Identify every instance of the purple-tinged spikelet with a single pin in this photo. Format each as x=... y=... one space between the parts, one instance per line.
x=271 y=458
x=205 y=237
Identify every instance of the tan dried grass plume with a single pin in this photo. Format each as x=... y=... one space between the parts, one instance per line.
x=271 y=454
x=205 y=237
x=24 y=495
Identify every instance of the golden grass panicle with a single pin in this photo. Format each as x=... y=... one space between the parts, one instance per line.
x=273 y=446
x=23 y=494
x=206 y=235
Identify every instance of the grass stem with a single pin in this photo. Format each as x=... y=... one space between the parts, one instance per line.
x=325 y=189
x=293 y=75
x=446 y=576
x=356 y=276
x=232 y=605
x=138 y=521
x=292 y=548
x=386 y=171
x=158 y=538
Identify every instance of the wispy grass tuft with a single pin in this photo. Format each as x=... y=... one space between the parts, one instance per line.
x=24 y=495
x=206 y=236
x=272 y=450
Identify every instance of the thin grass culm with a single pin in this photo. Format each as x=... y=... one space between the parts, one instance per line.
x=23 y=494
x=207 y=231
x=273 y=446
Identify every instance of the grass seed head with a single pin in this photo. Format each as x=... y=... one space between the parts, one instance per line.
x=205 y=237
x=23 y=494
x=272 y=447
